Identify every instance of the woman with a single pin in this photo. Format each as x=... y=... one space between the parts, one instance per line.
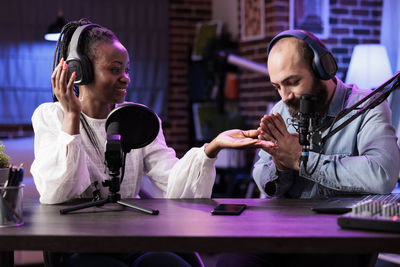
x=70 y=133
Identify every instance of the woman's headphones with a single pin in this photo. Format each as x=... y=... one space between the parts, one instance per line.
x=324 y=64
x=77 y=62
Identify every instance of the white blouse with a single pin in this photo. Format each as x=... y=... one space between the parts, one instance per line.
x=66 y=165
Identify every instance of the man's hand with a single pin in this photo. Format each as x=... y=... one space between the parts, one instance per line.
x=287 y=155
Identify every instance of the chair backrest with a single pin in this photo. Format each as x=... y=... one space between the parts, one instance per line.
x=55 y=259
x=193 y=259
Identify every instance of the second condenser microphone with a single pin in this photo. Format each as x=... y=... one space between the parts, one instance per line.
x=307 y=114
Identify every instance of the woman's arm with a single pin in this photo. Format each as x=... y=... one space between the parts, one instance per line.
x=59 y=168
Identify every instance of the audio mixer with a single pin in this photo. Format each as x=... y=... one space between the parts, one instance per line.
x=377 y=212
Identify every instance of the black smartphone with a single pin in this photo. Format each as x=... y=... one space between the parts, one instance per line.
x=228 y=209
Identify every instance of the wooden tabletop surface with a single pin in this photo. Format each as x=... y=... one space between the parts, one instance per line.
x=277 y=225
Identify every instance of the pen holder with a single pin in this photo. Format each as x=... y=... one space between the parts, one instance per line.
x=11 y=207
x=4 y=172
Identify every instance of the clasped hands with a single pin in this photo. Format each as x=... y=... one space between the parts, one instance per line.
x=287 y=152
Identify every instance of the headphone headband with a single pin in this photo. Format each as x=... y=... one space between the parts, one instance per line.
x=73 y=44
x=324 y=64
x=78 y=63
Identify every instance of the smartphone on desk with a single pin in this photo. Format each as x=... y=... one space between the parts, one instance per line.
x=228 y=209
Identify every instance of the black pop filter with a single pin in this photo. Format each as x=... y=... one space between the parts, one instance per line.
x=137 y=124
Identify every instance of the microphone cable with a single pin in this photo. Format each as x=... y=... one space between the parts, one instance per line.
x=322 y=146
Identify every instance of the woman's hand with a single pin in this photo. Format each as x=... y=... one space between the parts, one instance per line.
x=63 y=91
x=65 y=94
x=238 y=139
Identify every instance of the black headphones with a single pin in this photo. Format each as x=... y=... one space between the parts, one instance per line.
x=324 y=64
x=77 y=62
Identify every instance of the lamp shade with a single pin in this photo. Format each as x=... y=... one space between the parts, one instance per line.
x=369 y=66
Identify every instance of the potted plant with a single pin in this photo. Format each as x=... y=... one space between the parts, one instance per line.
x=4 y=164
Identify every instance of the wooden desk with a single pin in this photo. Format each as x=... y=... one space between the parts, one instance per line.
x=277 y=225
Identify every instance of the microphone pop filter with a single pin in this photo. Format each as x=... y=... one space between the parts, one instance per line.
x=137 y=124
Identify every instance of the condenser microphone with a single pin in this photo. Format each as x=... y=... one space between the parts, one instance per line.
x=113 y=151
x=307 y=113
x=113 y=128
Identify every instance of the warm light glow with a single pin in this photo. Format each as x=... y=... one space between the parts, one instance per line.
x=51 y=36
x=369 y=66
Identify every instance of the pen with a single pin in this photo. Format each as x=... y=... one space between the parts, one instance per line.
x=7 y=183
x=3 y=191
x=15 y=175
x=20 y=175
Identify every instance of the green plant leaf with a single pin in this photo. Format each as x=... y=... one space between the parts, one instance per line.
x=4 y=158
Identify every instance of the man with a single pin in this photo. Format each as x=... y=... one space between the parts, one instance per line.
x=361 y=158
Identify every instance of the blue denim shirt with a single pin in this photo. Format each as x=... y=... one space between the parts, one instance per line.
x=363 y=157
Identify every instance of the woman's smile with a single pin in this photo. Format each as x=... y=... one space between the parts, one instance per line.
x=121 y=91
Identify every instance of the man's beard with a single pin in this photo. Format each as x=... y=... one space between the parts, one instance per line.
x=319 y=90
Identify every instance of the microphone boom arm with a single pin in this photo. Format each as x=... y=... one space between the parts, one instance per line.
x=376 y=97
x=375 y=101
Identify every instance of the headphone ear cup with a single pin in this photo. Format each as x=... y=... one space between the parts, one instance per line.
x=87 y=70
x=329 y=66
x=74 y=65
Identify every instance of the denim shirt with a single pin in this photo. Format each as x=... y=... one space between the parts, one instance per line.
x=363 y=157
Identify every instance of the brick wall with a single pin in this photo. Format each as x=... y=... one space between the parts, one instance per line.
x=351 y=22
x=184 y=14
x=255 y=90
